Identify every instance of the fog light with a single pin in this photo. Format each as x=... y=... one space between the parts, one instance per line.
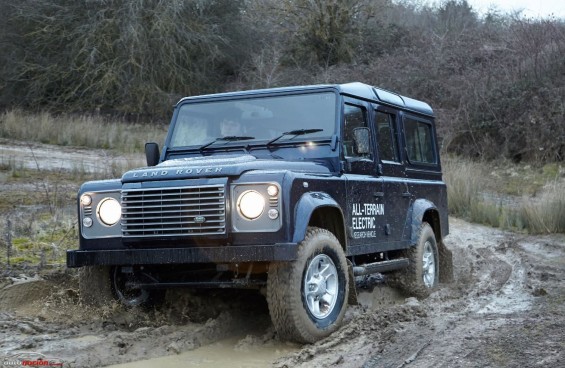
x=87 y=222
x=273 y=214
x=86 y=200
x=272 y=190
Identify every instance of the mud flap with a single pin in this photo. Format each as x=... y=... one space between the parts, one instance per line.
x=352 y=299
x=445 y=263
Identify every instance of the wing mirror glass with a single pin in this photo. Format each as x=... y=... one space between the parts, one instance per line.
x=362 y=142
x=152 y=153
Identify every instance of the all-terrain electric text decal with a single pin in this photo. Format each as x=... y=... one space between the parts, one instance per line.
x=363 y=219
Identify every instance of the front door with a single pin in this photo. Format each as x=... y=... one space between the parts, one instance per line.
x=365 y=207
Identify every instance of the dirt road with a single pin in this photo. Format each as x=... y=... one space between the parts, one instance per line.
x=505 y=308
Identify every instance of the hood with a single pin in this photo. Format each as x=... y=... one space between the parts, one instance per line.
x=217 y=166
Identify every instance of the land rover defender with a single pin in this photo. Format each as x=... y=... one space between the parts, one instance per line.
x=294 y=191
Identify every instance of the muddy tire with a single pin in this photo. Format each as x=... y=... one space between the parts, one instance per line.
x=308 y=297
x=131 y=298
x=95 y=286
x=421 y=277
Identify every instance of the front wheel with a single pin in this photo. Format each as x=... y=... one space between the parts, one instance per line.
x=307 y=298
x=130 y=296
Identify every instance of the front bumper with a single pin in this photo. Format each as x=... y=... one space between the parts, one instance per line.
x=161 y=256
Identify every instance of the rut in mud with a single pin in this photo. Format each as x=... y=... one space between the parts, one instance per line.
x=504 y=308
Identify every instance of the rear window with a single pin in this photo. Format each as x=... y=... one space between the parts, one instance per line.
x=419 y=141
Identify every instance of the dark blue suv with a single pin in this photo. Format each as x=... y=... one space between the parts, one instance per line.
x=294 y=191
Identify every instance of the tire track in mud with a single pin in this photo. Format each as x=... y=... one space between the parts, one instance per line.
x=496 y=289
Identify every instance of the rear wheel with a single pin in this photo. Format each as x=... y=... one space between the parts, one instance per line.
x=307 y=298
x=421 y=277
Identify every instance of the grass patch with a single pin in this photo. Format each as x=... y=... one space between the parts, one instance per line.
x=92 y=131
x=37 y=238
x=488 y=196
x=547 y=215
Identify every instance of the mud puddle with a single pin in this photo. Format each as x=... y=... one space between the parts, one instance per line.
x=244 y=353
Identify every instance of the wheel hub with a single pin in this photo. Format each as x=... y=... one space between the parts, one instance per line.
x=428 y=266
x=321 y=286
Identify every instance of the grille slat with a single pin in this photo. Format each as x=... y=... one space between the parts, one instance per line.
x=153 y=205
x=181 y=211
x=176 y=199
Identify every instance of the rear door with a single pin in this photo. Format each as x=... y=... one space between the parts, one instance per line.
x=391 y=167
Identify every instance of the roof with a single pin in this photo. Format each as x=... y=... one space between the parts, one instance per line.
x=355 y=89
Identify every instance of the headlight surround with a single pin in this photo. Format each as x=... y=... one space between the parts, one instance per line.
x=251 y=204
x=109 y=211
x=256 y=207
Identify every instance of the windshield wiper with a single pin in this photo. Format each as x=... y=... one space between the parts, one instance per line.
x=295 y=133
x=231 y=138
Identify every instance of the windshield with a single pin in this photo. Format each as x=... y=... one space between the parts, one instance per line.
x=259 y=119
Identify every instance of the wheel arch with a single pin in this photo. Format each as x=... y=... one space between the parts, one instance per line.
x=424 y=210
x=320 y=210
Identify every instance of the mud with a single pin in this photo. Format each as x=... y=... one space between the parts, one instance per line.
x=504 y=308
x=49 y=157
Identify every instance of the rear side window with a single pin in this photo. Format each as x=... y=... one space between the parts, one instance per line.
x=386 y=134
x=419 y=141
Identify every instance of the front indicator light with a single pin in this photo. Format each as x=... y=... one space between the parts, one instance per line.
x=251 y=204
x=87 y=222
x=109 y=211
x=273 y=214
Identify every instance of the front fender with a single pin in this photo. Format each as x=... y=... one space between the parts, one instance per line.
x=306 y=205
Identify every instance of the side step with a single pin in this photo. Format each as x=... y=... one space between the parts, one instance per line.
x=384 y=266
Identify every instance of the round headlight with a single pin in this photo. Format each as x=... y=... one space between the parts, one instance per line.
x=251 y=204
x=109 y=211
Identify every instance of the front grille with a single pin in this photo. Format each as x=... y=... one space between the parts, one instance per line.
x=182 y=211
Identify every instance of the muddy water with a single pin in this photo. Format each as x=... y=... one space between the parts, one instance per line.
x=227 y=353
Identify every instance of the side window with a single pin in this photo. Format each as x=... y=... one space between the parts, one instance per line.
x=419 y=141
x=354 y=117
x=386 y=133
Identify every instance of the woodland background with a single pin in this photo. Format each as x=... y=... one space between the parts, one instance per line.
x=496 y=81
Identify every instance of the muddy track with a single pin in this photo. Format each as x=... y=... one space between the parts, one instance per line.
x=504 y=308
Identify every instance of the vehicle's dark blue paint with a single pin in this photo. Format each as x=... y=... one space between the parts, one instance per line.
x=372 y=205
x=307 y=204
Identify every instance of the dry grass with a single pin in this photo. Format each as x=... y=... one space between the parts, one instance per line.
x=473 y=194
x=546 y=215
x=79 y=131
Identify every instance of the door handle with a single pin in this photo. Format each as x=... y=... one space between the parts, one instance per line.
x=406 y=191
x=378 y=194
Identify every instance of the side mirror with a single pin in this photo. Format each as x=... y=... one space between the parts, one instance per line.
x=152 y=153
x=362 y=142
